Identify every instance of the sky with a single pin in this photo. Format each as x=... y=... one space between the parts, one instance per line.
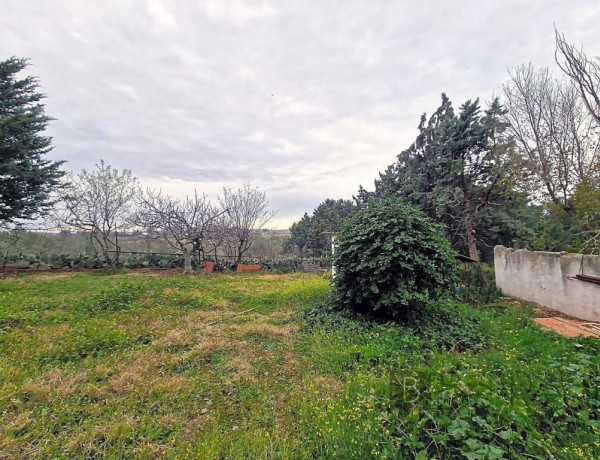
x=304 y=99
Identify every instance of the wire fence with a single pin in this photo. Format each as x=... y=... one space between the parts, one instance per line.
x=207 y=256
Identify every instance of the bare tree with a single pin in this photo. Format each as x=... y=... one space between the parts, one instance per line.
x=247 y=212
x=553 y=131
x=97 y=202
x=583 y=71
x=190 y=225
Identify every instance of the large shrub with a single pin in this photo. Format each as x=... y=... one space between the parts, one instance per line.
x=390 y=257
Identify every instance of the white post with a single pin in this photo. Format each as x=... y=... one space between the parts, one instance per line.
x=332 y=253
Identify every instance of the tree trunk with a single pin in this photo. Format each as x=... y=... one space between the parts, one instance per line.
x=240 y=252
x=199 y=258
x=117 y=249
x=104 y=247
x=187 y=261
x=5 y=261
x=471 y=240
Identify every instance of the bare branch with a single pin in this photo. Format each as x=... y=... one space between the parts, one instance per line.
x=552 y=130
x=191 y=225
x=582 y=70
x=98 y=203
x=247 y=211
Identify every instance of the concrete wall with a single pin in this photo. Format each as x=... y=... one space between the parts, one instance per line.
x=545 y=278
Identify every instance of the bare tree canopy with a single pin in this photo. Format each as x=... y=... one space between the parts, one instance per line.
x=192 y=225
x=582 y=70
x=98 y=203
x=553 y=130
x=247 y=211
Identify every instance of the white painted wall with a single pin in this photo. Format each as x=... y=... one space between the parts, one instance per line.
x=545 y=278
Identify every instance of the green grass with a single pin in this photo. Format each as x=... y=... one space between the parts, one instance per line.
x=144 y=366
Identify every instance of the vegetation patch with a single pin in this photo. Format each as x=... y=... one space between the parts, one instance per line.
x=390 y=258
x=286 y=380
x=114 y=299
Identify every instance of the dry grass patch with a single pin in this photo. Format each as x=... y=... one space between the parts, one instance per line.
x=206 y=347
x=175 y=339
x=11 y=431
x=133 y=371
x=207 y=320
x=264 y=329
x=127 y=382
x=240 y=367
x=45 y=276
x=53 y=385
x=93 y=444
x=171 y=387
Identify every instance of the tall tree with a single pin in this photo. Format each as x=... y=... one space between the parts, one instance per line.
x=555 y=135
x=456 y=169
x=27 y=178
x=583 y=71
x=299 y=234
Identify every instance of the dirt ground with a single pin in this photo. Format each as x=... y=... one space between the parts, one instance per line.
x=566 y=325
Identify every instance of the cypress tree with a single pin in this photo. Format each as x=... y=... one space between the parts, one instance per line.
x=27 y=178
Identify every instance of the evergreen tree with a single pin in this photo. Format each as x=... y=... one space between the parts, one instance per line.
x=26 y=177
x=308 y=235
x=457 y=168
x=298 y=239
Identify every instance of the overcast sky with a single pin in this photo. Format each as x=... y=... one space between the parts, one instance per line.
x=306 y=99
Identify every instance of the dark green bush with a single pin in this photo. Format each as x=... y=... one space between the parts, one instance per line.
x=390 y=258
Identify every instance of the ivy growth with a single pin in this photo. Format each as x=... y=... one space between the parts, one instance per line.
x=390 y=258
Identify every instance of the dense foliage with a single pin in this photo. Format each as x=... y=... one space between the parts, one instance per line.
x=506 y=389
x=452 y=412
x=26 y=177
x=459 y=172
x=309 y=236
x=390 y=257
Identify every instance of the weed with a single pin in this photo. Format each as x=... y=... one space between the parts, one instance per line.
x=114 y=299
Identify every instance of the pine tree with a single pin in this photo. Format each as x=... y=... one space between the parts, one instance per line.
x=26 y=177
x=456 y=169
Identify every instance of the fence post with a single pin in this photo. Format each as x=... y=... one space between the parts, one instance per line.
x=332 y=256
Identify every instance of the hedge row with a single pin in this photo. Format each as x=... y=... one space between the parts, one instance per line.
x=85 y=261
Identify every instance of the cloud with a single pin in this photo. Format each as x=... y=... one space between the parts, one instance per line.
x=305 y=99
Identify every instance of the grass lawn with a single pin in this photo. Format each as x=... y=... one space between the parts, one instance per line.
x=132 y=365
